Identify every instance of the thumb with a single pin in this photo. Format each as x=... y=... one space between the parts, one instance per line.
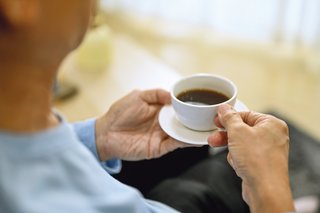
x=228 y=117
x=156 y=96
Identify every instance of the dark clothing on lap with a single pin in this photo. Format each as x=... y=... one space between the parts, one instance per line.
x=189 y=180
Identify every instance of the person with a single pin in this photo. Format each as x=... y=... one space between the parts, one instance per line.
x=48 y=165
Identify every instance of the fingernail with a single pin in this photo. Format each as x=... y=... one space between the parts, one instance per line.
x=224 y=108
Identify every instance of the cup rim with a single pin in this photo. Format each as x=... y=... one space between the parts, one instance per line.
x=208 y=75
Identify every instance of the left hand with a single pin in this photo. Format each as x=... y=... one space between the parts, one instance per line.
x=258 y=147
x=130 y=129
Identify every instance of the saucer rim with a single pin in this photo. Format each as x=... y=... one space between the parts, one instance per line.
x=239 y=106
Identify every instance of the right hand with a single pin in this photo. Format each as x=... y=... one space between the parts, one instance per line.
x=258 y=152
x=130 y=130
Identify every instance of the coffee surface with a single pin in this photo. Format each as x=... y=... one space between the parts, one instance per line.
x=202 y=97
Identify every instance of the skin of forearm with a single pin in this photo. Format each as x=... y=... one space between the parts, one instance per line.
x=271 y=197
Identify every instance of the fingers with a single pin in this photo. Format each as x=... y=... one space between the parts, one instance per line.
x=165 y=146
x=162 y=144
x=218 y=138
x=174 y=144
x=156 y=96
x=253 y=118
x=217 y=122
x=228 y=117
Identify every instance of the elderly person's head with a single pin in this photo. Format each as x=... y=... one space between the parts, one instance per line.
x=35 y=36
x=41 y=31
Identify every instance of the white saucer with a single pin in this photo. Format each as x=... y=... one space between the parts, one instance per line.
x=176 y=130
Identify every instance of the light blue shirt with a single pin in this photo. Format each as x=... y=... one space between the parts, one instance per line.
x=52 y=171
x=85 y=131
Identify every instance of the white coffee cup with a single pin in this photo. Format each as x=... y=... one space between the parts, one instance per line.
x=201 y=117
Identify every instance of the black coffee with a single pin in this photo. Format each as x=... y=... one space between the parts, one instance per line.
x=202 y=97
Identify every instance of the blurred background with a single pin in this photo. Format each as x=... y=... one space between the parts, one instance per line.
x=270 y=49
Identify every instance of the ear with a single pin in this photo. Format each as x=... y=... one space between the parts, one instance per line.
x=19 y=13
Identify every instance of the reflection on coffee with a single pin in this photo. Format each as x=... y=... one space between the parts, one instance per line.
x=202 y=97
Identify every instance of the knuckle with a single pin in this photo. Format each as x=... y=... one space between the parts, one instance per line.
x=280 y=125
x=238 y=127
x=229 y=115
x=281 y=130
x=135 y=91
x=283 y=127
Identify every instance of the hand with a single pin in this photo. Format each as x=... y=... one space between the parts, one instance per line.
x=258 y=152
x=130 y=129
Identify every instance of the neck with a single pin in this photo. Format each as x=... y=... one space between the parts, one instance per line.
x=25 y=97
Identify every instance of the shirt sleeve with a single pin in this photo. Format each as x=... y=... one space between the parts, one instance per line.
x=85 y=131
